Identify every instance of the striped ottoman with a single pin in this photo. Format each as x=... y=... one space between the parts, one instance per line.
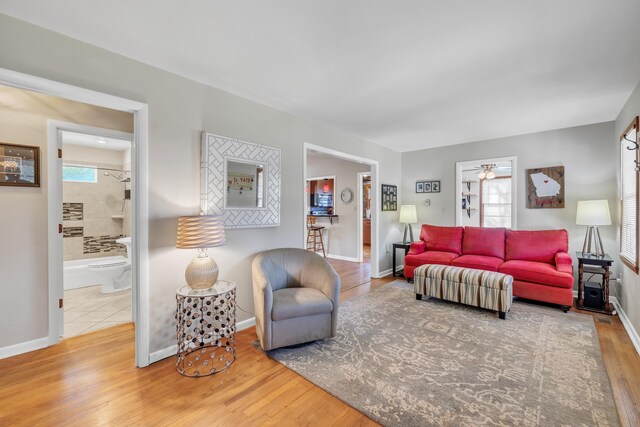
x=479 y=288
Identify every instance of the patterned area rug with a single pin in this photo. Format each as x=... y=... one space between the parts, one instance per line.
x=407 y=363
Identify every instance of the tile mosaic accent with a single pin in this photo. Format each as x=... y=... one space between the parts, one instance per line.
x=72 y=212
x=72 y=232
x=97 y=244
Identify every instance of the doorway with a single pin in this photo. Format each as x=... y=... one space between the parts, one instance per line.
x=96 y=214
x=486 y=190
x=364 y=207
x=139 y=205
x=344 y=231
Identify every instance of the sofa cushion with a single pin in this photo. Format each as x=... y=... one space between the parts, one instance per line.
x=479 y=262
x=444 y=239
x=483 y=241
x=540 y=246
x=430 y=257
x=537 y=272
x=289 y=303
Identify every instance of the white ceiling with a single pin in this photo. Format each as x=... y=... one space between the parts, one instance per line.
x=408 y=75
x=94 y=141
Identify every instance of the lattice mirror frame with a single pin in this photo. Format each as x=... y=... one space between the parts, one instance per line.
x=216 y=150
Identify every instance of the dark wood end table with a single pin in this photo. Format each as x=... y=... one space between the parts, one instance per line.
x=396 y=246
x=591 y=264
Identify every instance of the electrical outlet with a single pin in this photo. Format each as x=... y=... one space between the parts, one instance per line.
x=427 y=203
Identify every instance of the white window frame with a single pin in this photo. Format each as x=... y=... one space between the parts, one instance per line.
x=629 y=197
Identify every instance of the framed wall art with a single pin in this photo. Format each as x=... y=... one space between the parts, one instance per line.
x=427 y=186
x=389 y=197
x=19 y=165
x=240 y=181
x=545 y=188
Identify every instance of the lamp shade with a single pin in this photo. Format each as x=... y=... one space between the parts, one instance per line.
x=199 y=232
x=408 y=214
x=593 y=212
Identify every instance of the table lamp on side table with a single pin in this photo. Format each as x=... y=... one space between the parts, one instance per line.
x=201 y=232
x=593 y=213
x=408 y=216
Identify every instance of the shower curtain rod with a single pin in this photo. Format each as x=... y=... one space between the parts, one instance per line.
x=111 y=169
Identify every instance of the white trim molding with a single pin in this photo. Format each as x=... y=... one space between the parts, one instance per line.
x=631 y=331
x=343 y=258
x=23 y=347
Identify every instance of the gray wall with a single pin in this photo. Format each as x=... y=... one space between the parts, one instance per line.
x=179 y=110
x=586 y=152
x=342 y=235
x=629 y=290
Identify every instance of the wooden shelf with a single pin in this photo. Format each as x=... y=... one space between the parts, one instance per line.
x=470 y=195
x=468 y=181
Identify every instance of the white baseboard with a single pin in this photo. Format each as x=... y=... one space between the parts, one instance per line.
x=343 y=258
x=389 y=272
x=23 y=347
x=171 y=350
x=631 y=331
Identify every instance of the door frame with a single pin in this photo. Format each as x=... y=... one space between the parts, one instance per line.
x=375 y=197
x=360 y=195
x=139 y=186
x=55 y=199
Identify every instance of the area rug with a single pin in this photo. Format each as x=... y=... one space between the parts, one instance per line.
x=407 y=363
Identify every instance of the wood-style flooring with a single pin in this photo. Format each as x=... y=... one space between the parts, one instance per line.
x=91 y=380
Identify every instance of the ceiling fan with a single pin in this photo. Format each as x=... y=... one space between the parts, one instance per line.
x=488 y=170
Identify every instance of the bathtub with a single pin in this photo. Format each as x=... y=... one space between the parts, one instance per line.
x=77 y=273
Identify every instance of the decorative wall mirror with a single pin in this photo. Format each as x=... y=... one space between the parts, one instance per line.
x=245 y=184
x=240 y=181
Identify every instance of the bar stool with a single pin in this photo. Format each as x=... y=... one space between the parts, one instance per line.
x=314 y=236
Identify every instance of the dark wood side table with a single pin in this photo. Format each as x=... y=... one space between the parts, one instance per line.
x=591 y=264
x=396 y=246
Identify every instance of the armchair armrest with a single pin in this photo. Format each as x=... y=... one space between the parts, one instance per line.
x=417 y=247
x=564 y=263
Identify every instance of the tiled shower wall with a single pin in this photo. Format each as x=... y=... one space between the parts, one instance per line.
x=93 y=217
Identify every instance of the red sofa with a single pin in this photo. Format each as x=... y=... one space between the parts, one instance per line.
x=538 y=260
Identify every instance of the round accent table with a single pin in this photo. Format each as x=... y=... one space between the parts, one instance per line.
x=206 y=329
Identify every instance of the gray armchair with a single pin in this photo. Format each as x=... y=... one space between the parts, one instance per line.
x=295 y=295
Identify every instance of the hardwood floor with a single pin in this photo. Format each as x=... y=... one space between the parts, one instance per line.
x=91 y=380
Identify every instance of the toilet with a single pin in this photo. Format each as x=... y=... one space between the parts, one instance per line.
x=114 y=272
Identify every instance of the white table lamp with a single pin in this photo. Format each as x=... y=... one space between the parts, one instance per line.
x=593 y=213
x=408 y=216
x=201 y=232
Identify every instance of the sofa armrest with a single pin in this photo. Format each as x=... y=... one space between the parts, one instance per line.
x=564 y=263
x=417 y=248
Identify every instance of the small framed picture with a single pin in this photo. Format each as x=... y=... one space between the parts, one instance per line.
x=19 y=165
x=419 y=187
x=435 y=186
x=427 y=187
x=389 y=197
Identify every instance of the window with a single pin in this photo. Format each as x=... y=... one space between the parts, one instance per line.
x=495 y=199
x=75 y=173
x=629 y=197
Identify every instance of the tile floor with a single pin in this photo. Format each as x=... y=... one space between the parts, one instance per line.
x=86 y=310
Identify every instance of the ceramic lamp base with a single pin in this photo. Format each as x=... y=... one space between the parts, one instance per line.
x=202 y=272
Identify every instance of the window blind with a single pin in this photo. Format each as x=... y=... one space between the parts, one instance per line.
x=629 y=200
x=496 y=202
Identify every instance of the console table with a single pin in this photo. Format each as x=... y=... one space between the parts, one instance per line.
x=206 y=329
x=396 y=246
x=594 y=265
